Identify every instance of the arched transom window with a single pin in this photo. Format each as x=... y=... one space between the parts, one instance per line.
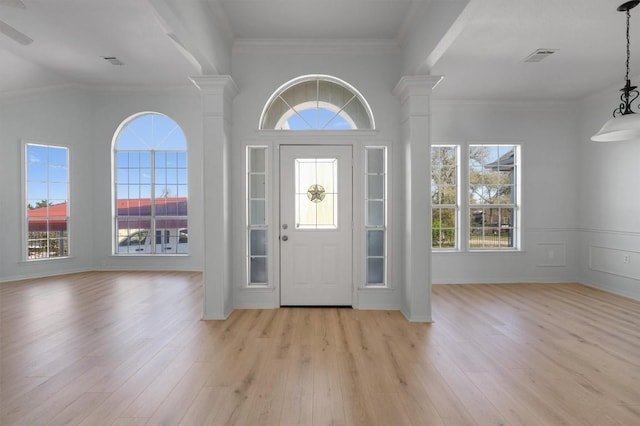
x=316 y=102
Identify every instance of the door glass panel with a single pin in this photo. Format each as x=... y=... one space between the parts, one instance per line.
x=316 y=193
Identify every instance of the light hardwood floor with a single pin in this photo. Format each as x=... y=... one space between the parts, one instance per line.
x=130 y=349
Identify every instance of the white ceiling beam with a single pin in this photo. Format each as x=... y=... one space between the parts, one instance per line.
x=193 y=29
x=435 y=26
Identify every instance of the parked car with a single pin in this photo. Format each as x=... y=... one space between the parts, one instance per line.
x=167 y=241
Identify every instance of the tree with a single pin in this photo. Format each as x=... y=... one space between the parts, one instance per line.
x=41 y=203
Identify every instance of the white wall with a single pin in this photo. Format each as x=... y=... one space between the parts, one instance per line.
x=547 y=134
x=57 y=117
x=609 y=214
x=110 y=109
x=259 y=70
x=85 y=120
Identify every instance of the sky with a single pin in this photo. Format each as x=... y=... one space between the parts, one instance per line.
x=47 y=171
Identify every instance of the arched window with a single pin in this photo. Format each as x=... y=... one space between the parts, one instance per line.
x=150 y=183
x=316 y=102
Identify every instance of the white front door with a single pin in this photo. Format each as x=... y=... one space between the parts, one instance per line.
x=315 y=225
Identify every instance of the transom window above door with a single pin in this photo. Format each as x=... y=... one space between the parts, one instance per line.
x=316 y=102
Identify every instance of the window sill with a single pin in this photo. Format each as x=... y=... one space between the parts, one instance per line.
x=49 y=259
x=147 y=255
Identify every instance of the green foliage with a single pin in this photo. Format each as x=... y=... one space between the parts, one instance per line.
x=41 y=203
x=442 y=237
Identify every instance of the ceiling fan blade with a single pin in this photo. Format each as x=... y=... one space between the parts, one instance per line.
x=13 y=3
x=14 y=34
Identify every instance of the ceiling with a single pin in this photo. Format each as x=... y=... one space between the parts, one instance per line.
x=480 y=49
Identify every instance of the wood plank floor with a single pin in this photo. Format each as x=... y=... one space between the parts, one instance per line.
x=130 y=349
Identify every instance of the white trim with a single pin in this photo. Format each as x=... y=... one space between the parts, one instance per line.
x=24 y=257
x=312 y=77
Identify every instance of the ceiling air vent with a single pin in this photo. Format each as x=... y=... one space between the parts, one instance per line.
x=540 y=54
x=113 y=60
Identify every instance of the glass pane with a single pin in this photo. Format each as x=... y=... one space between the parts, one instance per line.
x=375 y=243
x=258 y=243
x=375 y=160
x=172 y=176
x=375 y=213
x=375 y=187
x=306 y=211
x=258 y=270
x=182 y=176
x=57 y=173
x=134 y=159
x=145 y=159
x=257 y=212
x=305 y=174
x=327 y=213
x=375 y=271
x=316 y=193
x=257 y=160
x=448 y=194
x=172 y=160
x=326 y=174
x=258 y=186
x=57 y=191
x=37 y=191
x=122 y=159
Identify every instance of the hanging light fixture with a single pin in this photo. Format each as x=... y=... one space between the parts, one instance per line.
x=625 y=124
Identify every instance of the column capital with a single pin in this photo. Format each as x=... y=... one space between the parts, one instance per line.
x=411 y=85
x=216 y=84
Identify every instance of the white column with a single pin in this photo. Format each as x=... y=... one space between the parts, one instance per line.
x=414 y=93
x=217 y=97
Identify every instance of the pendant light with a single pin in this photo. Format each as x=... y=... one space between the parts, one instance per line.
x=625 y=124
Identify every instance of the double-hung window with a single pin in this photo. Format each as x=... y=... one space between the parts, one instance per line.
x=493 y=196
x=444 y=196
x=47 y=196
x=491 y=204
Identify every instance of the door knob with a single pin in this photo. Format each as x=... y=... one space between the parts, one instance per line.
x=285 y=238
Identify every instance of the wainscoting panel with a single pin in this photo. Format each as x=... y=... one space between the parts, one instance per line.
x=624 y=263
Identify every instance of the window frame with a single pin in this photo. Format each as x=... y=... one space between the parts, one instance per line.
x=174 y=240
x=464 y=205
x=25 y=246
x=457 y=239
x=292 y=109
x=370 y=228
x=516 y=228
x=262 y=227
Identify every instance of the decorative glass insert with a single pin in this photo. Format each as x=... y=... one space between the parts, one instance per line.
x=151 y=187
x=493 y=196
x=257 y=229
x=375 y=215
x=47 y=196
x=316 y=193
x=444 y=196
x=316 y=102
